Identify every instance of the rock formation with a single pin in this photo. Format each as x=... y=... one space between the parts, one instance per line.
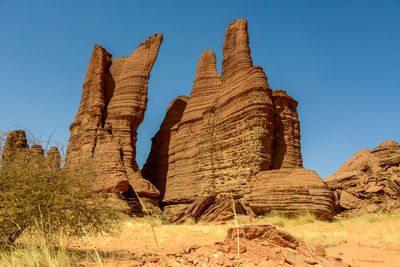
x=287 y=152
x=291 y=192
x=16 y=141
x=232 y=127
x=259 y=245
x=113 y=103
x=161 y=160
x=369 y=181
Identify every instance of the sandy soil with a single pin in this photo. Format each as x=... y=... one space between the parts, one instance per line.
x=359 y=243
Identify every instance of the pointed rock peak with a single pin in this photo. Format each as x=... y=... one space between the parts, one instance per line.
x=99 y=61
x=236 y=49
x=205 y=86
x=388 y=144
x=152 y=42
x=98 y=49
x=206 y=69
x=207 y=63
x=92 y=101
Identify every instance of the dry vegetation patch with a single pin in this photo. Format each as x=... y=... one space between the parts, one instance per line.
x=372 y=239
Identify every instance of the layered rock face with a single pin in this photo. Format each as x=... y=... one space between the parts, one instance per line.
x=160 y=164
x=287 y=153
x=113 y=103
x=369 y=181
x=231 y=127
x=291 y=192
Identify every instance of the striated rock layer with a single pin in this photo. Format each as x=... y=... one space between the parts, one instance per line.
x=369 y=181
x=286 y=151
x=291 y=192
x=231 y=127
x=113 y=103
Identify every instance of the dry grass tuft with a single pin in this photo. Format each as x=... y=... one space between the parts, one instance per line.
x=369 y=230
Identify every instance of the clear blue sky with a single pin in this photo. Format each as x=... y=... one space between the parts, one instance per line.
x=340 y=59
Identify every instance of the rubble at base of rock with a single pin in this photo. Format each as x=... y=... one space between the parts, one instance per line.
x=259 y=245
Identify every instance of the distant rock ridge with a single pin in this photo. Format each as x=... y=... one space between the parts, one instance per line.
x=369 y=181
x=114 y=100
x=17 y=142
x=231 y=128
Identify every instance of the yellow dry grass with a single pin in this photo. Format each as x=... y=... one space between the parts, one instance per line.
x=370 y=230
x=379 y=231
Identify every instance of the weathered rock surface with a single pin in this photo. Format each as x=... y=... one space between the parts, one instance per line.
x=160 y=162
x=369 y=181
x=287 y=153
x=113 y=103
x=231 y=127
x=259 y=245
x=291 y=192
x=16 y=141
x=210 y=209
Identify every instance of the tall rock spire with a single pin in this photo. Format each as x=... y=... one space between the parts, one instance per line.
x=236 y=50
x=113 y=103
x=205 y=86
x=232 y=128
x=92 y=102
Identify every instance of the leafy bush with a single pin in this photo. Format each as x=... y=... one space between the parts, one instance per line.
x=34 y=191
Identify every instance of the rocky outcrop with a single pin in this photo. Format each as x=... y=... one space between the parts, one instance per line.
x=258 y=245
x=369 y=181
x=265 y=243
x=16 y=141
x=231 y=128
x=113 y=103
x=210 y=209
x=291 y=192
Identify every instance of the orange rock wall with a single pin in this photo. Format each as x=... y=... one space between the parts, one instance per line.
x=113 y=103
x=227 y=132
x=291 y=191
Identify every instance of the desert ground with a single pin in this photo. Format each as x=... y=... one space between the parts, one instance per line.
x=369 y=240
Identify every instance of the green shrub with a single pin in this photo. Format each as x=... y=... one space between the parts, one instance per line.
x=36 y=192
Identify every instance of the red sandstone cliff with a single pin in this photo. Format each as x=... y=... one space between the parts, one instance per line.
x=231 y=128
x=114 y=100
